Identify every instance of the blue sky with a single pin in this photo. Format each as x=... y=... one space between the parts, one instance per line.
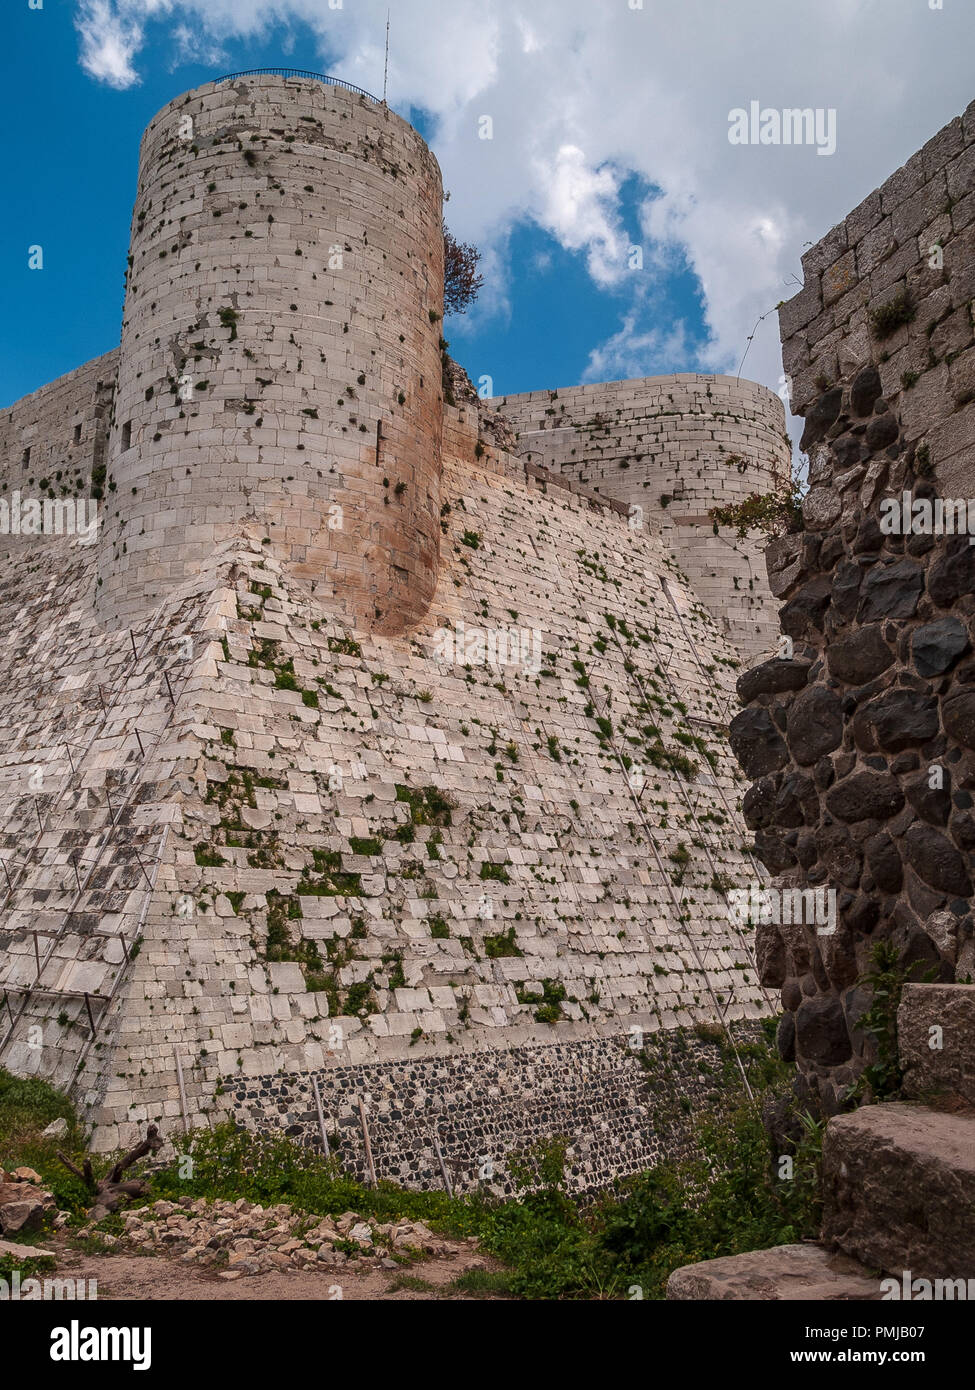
x=611 y=132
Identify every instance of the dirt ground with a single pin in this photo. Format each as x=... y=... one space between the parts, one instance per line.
x=154 y=1278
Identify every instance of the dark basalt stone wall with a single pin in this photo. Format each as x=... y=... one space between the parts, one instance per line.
x=860 y=738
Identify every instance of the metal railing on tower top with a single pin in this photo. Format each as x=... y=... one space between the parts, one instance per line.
x=299 y=72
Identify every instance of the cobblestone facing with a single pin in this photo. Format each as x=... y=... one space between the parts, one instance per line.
x=671 y=448
x=621 y=1110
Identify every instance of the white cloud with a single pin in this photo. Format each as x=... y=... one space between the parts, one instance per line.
x=109 y=42
x=577 y=204
x=193 y=46
x=584 y=94
x=636 y=351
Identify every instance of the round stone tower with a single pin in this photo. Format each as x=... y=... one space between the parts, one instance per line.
x=673 y=447
x=280 y=358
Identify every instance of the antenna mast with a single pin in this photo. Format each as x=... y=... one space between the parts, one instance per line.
x=386 y=72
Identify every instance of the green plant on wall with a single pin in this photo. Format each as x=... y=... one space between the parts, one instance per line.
x=885 y=980
x=887 y=318
x=228 y=317
x=775 y=513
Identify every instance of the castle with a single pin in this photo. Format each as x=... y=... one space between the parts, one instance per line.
x=368 y=777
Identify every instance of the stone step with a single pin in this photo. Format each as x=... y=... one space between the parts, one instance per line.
x=936 y=1041
x=786 y=1273
x=899 y=1189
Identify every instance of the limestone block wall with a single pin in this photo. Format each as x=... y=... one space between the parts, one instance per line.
x=861 y=746
x=53 y=441
x=280 y=353
x=86 y=804
x=907 y=253
x=417 y=783
x=466 y=892
x=671 y=448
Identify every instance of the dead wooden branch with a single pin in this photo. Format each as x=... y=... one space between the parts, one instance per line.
x=110 y=1191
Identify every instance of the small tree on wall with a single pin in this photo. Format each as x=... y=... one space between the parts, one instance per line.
x=461 y=280
x=776 y=513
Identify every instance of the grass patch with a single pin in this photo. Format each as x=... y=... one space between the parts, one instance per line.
x=370 y=848
x=887 y=318
x=482 y=1281
x=412 y=1282
x=496 y=872
x=428 y=805
x=27 y=1107
x=496 y=947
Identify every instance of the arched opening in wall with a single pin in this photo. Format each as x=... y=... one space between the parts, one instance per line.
x=77 y=434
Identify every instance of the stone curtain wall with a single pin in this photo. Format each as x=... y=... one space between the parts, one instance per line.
x=269 y=837
x=52 y=441
x=536 y=909
x=538 y=915
x=280 y=353
x=886 y=251
x=861 y=747
x=673 y=446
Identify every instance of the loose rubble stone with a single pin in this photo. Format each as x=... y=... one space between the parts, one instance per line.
x=899 y=1189
x=24 y=1204
x=252 y=1240
x=784 y=1273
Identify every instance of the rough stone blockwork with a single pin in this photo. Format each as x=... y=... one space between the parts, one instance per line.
x=899 y=1189
x=671 y=448
x=411 y=773
x=54 y=442
x=861 y=746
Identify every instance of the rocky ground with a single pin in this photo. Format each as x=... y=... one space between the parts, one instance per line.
x=193 y=1249
x=157 y=1278
x=23 y=1202
x=241 y=1239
